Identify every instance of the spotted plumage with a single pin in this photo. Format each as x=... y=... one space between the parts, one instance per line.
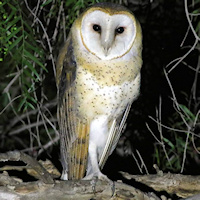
x=98 y=78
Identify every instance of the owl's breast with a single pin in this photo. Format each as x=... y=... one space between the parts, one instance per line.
x=94 y=98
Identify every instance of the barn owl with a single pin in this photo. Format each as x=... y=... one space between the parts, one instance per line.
x=98 y=78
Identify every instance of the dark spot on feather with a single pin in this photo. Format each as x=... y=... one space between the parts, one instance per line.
x=80 y=161
x=81 y=141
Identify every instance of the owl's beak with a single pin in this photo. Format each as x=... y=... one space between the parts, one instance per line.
x=107 y=42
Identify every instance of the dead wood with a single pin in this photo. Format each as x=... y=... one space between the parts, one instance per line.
x=47 y=187
x=19 y=156
x=73 y=190
x=181 y=185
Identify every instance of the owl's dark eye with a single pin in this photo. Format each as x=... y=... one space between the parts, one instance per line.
x=97 y=28
x=120 y=30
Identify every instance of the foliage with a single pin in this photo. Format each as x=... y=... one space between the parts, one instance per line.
x=20 y=52
x=179 y=145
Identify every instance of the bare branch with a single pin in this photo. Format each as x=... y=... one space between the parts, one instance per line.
x=182 y=58
x=16 y=156
x=190 y=23
x=46 y=35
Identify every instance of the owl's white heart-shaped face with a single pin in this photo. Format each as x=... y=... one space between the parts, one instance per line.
x=108 y=36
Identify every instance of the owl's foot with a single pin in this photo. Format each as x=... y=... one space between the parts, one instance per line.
x=64 y=176
x=98 y=175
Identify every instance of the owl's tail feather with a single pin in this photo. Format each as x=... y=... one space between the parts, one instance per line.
x=78 y=153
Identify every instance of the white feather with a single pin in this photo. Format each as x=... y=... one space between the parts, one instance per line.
x=109 y=24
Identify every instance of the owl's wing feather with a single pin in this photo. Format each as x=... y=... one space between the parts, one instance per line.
x=113 y=137
x=74 y=133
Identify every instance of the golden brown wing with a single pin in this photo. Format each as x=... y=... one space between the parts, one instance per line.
x=74 y=134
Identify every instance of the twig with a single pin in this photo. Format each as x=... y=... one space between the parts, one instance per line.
x=11 y=82
x=9 y=104
x=194 y=86
x=50 y=143
x=36 y=10
x=25 y=127
x=142 y=162
x=137 y=163
x=185 y=150
x=190 y=23
x=31 y=112
x=19 y=156
x=195 y=121
x=173 y=129
x=42 y=147
x=153 y=133
x=186 y=34
x=182 y=58
x=182 y=117
x=190 y=67
x=57 y=22
x=46 y=35
x=160 y=129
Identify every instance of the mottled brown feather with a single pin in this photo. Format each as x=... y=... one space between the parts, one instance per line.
x=74 y=134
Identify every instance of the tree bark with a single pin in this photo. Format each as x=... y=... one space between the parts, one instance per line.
x=182 y=185
x=47 y=187
x=73 y=190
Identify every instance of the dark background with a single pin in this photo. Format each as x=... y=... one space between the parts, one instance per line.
x=164 y=26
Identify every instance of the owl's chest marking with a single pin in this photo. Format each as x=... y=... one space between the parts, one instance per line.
x=109 y=100
x=108 y=73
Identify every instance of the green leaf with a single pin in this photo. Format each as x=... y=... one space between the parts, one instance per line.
x=197 y=27
x=13 y=6
x=13 y=34
x=28 y=105
x=32 y=99
x=26 y=84
x=46 y=3
x=15 y=43
x=169 y=143
x=187 y=112
x=13 y=22
x=28 y=73
x=157 y=156
x=21 y=104
x=69 y=2
x=10 y=16
x=34 y=48
x=29 y=30
x=4 y=3
x=32 y=69
x=33 y=58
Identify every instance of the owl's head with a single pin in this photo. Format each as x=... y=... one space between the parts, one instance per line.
x=109 y=30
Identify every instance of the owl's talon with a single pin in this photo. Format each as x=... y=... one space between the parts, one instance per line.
x=93 y=182
x=113 y=188
x=99 y=176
